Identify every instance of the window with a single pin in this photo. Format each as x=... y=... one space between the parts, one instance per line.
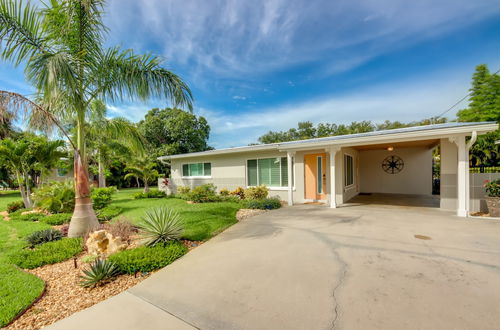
x=197 y=169
x=271 y=172
x=348 y=171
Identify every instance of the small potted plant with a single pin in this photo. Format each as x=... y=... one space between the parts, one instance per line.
x=493 y=197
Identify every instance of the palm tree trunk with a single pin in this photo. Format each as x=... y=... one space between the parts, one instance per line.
x=24 y=194
x=146 y=186
x=84 y=219
x=102 y=177
x=138 y=183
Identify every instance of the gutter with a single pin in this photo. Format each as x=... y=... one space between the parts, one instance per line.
x=469 y=145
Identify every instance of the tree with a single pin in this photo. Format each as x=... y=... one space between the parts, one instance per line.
x=28 y=158
x=484 y=105
x=111 y=137
x=144 y=169
x=61 y=46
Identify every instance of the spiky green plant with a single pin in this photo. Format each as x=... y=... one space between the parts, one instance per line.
x=160 y=226
x=100 y=272
x=43 y=236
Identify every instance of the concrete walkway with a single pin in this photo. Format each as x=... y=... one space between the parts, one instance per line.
x=311 y=267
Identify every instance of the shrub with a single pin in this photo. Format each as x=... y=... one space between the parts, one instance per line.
x=14 y=215
x=99 y=272
x=263 y=204
x=150 y=194
x=492 y=188
x=14 y=206
x=183 y=190
x=240 y=192
x=120 y=228
x=43 y=236
x=146 y=259
x=56 y=197
x=224 y=192
x=29 y=217
x=204 y=194
x=57 y=219
x=101 y=197
x=160 y=226
x=259 y=192
x=108 y=213
x=48 y=253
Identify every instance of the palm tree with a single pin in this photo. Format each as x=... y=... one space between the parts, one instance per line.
x=61 y=46
x=143 y=169
x=111 y=137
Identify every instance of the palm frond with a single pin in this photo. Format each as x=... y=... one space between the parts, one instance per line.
x=21 y=31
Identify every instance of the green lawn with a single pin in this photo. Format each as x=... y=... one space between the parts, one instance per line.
x=19 y=289
x=8 y=196
x=201 y=221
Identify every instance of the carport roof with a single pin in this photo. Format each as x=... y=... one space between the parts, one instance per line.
x=399 y=134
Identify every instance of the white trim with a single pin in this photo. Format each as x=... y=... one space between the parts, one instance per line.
x=195 y=177
x=347 y=187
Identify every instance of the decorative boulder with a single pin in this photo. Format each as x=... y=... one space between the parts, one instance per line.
x=102 y=243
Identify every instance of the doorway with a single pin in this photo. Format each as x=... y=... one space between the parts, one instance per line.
x=315 y=177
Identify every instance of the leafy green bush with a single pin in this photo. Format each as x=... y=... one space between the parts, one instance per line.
x=29 y=217
x=57 y=219
x=492 y=188
x=263 y=204
x=150 y=194
x=183 y=190
x=14 y=206
x=146 y=259
x=259 y=192
x=204 y=194
x=101 y=197
x=99 y=272
x=224 y=192
x=160 y=226
x=43 y=236
x=108 y=213
x=55 y=197
x=14 y=215
x=48 y=253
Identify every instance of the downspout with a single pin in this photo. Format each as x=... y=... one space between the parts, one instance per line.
x=468 y=146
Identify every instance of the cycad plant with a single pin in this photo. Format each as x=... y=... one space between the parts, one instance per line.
x=60 y=43
x=144 y=169
x=160 y=226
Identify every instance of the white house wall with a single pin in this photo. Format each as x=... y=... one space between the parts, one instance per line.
x=449 y=170
x=415 y=178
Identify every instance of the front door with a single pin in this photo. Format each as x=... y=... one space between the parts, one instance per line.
x=315 y=176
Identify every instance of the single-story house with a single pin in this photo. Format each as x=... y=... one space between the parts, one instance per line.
x=335 y=169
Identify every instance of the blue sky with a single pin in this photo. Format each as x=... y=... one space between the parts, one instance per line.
x=256 y=66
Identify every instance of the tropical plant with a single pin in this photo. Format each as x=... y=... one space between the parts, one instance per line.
x=14 y=206
x=43 y=236
x=160 y=226
x=144 y=169
x=55 y=197
x=100 y=272
x=204 y=193
x=61 y=46
x=259 y=192
x=492 y=188
x=101 y=197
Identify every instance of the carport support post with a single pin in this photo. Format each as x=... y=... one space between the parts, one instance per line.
x=463 y=168
x=289 y=158
x=333 y=192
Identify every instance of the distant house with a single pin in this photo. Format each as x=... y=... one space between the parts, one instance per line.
x=335 y=169
x=58 y=174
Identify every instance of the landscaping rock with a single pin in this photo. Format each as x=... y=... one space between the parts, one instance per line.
x=243 y=214
x=102 y=243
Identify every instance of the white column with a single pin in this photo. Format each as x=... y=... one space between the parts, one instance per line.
x=289 y=157
x=333 y=190
x=463 y=168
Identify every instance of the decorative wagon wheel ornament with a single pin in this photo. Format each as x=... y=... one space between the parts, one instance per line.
x=392 y=164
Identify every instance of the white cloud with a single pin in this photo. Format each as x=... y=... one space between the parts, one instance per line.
x=239 y=97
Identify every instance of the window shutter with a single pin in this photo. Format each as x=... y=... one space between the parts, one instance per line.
x=207 y=169
x=284 y=172
x=252 y=172
x=185 y=170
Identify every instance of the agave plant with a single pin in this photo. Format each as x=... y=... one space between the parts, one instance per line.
x=160 y=226
x=101 y=271
x=43 y=236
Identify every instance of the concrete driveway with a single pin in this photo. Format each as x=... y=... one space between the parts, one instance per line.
x=311 y=267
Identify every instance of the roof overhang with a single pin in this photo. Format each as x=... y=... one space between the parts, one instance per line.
x=371 y=138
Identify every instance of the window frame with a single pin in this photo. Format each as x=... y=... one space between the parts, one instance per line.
x=196 y=176
x=345 y=171
x=281 y=173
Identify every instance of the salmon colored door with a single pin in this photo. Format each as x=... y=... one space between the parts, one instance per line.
x=315 y=176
